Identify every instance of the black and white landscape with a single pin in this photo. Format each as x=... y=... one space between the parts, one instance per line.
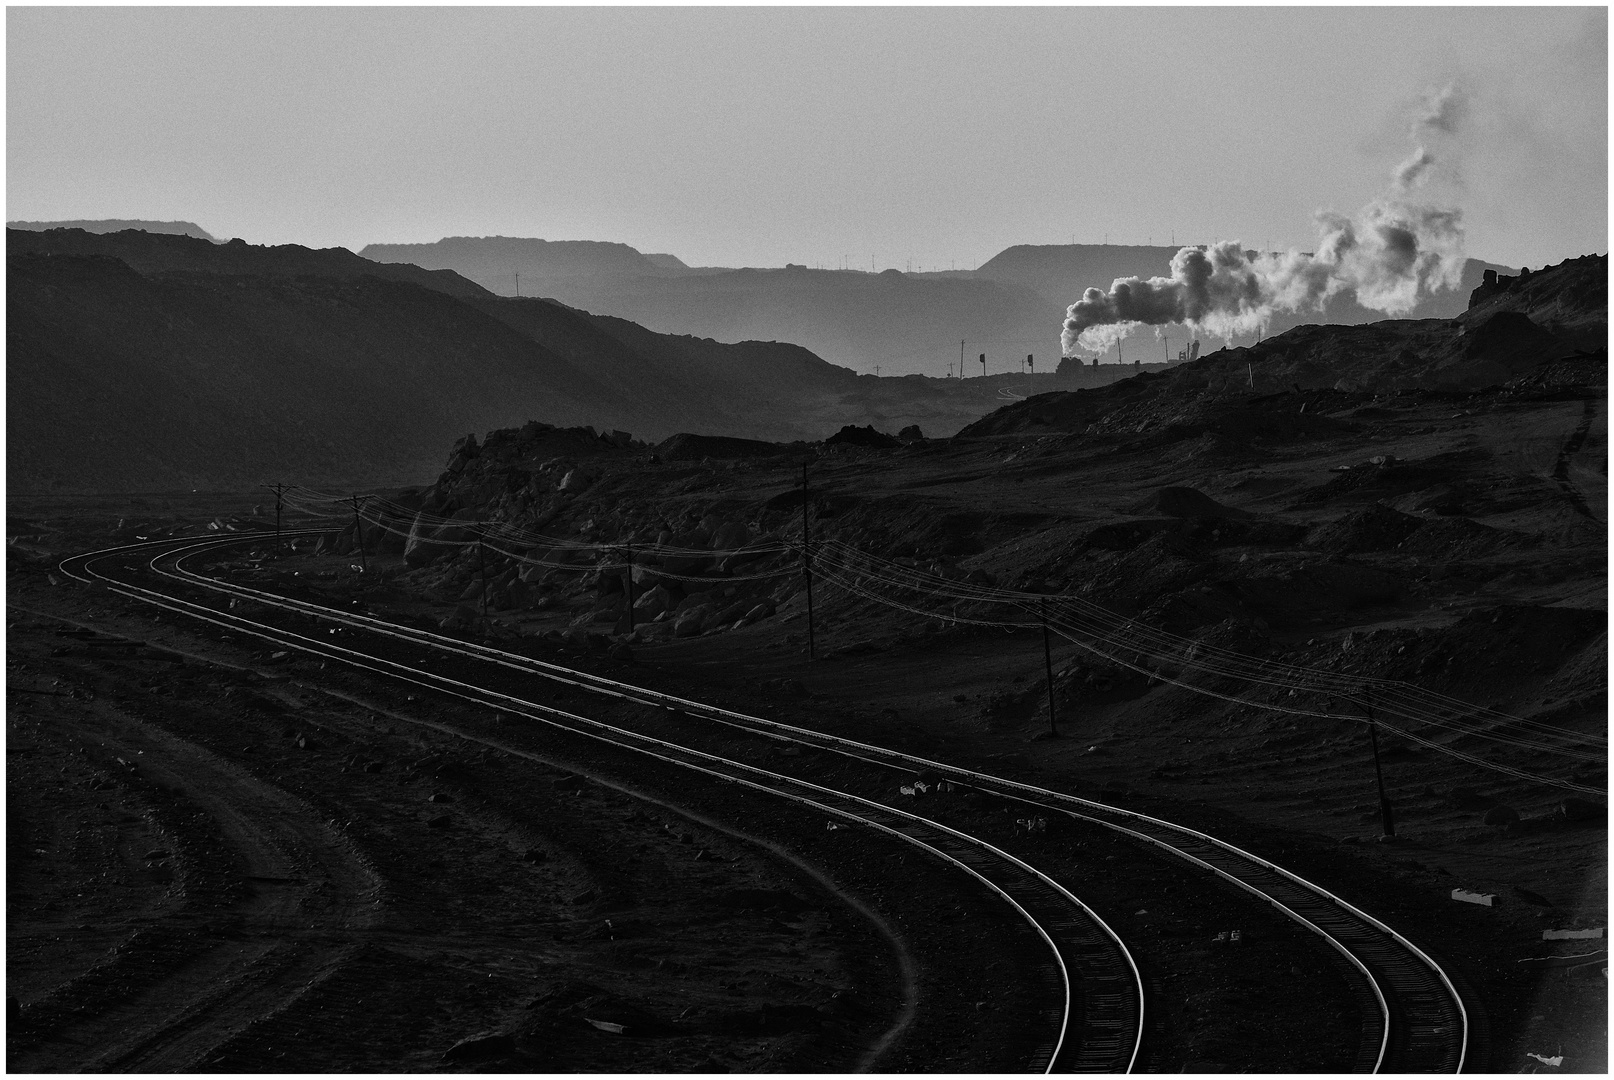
x=807 y=540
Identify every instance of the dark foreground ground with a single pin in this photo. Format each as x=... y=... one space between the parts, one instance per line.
x=216 y=862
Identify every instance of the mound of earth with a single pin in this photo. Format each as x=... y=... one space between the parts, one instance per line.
x=687 y=447
x=1186 y=502
x=862 y=436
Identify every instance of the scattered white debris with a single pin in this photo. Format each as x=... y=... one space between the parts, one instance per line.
x=1571 y=935
x=1483 y=899
x=606 y=1025
x=1555 y=1061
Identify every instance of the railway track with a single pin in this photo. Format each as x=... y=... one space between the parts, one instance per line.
x=1416 y=1019
x=1093 y=1020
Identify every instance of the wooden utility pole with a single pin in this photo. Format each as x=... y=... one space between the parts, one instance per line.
x=358 y=537
x=277 y=489
x=1386 y=817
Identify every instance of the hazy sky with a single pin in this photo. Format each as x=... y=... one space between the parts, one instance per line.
x=755 y=136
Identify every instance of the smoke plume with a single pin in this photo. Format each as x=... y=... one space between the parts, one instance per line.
x=1443 y=110
x=1389 y=254
x=1411 y=172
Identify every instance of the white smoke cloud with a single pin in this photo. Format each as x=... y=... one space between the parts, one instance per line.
x=1389 y=254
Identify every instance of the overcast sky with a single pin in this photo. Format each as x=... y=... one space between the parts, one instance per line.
x=929 y=137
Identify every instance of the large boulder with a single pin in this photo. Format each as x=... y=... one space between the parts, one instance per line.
x=430 y=539
x=651 y=604
x=465 y=451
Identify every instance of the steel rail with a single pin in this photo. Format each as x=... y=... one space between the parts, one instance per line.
x=1075 y=938
x=1423 y=1023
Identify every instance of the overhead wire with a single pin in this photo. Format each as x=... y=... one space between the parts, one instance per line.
x=1128 y=643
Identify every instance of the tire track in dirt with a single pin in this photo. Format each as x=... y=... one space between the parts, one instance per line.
x=205 y=1030
x=306 y=885
x=1560 y=470
x=905 y=959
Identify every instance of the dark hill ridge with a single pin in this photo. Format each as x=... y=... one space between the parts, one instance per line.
x=122 y=381
x=110 y=225
x=847 y=317
x=1014 y=304
x=1497 y=341
x=155 y=253
x=493 y=261
x=148 y=362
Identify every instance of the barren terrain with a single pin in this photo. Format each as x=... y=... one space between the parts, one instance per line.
x=223 y=859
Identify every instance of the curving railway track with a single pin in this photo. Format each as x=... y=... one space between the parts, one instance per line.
x=1414 y=1020
x=1093 y=1018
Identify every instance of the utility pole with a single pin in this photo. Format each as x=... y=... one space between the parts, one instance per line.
x=518 y=284
x=358 y=537
x=1031 y=363
x=807 y=560
x=1385 y=816
x=983 y=365
x=1048 y=664
x=277 y=489
x=960 y=360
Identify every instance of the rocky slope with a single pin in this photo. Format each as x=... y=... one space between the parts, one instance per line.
x=149 y=252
